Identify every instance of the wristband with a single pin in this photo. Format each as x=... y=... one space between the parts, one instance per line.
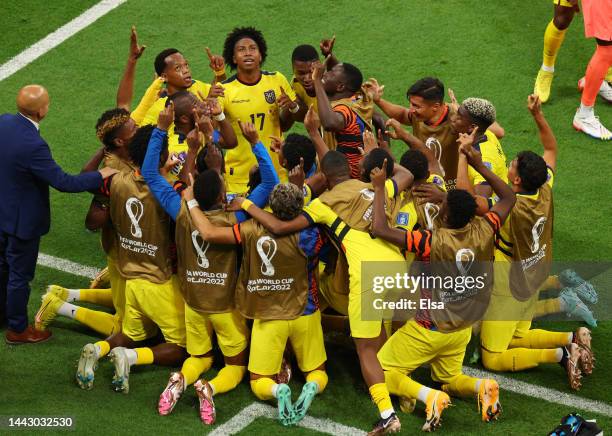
x=297 y=108
x=219 y=117
x=219 y=73
x=192 y=203
x=246 y=204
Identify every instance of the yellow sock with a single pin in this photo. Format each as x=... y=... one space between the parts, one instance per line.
x=101 y=322
x=547 y=307
x=461 y=386
x=104 y=348
x=402 y=385
x=103 y=297
x=537 y=339
x=144 y=356
x=227 y=379
x=262 y=388
x=319 y=377
x=553 y=38
x=551 y=282
x=193 y=367
x=517 y=359
x=380 y=396
x=609 y=75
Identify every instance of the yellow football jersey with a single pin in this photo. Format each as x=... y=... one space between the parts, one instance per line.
x=301 y=92
x=160 y=103
x=494 y=159
x=256 y=104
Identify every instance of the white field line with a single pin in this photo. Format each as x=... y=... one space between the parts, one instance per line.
x=55 y=38
x=247 y=415
x=67 y=266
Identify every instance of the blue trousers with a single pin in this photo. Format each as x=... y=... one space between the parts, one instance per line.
x=17 y=264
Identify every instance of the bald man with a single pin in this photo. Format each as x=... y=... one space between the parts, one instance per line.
x=26 y=172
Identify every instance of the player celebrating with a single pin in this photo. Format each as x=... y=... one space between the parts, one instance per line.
x=345 y=113
x=152 y=298
x=281 y=297
x=208 y=301
x=264 y=98
x=440 y=336
x=345 y=209
x=525 y=254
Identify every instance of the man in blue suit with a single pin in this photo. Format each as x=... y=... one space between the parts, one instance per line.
x=26 y=172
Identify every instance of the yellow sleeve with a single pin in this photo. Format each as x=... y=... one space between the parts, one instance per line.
x=318 y=213
x=202 y=87
x=438 y=181
x=550 y=178
x=307 y=192
x=153 y=112
x=147 y=100
x=390 y=188
x=282 y=81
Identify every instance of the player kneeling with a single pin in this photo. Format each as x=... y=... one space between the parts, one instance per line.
x=277 y=288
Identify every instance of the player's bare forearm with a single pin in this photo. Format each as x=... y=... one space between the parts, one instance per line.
x=463 y=180
x=210 y=232
x=94 y=162
x=330 y=120
x=275 y=225
x=228 y=135
x=416 y=144
x=286 y=119
x=394 y=111
x=125 y=92
x=189 y=166
x=503 y=191
x=320 y=146
x=380 y=227
x=548 y=140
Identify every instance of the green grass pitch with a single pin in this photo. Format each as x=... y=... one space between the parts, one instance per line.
x=489 y=49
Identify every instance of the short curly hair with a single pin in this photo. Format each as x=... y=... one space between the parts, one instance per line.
x=482 y=111
x=461 y=208
x=236 y=35
x=286 y=201
x=108 y=126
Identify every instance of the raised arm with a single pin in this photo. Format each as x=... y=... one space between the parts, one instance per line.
x=392 y=110
x=330 y=120
x=312 y=125
x=126 y=86
x=163 y=192
x=395 y=131
x=380 y=226
x=506 y=196
x=547 y=137
x=463 y=180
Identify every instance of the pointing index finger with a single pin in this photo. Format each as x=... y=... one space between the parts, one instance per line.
x=209 y=53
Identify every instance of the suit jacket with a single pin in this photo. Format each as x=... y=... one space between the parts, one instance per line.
x=27 y=169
